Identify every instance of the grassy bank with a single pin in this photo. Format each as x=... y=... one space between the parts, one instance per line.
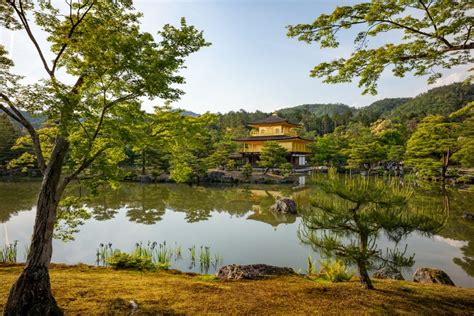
x=85 y=290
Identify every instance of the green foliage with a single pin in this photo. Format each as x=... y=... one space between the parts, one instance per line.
x=327 y=150
x=377 y=110
x=311 y=270
x=272 y=155
x=425 y=35
x=437 y=101
x=364 y=149
x=112 y=65
x=286 y=168
x=8 y=253
x=349 y=213
x=69 y=219
x=247 y=171
x=230 y=165
x=8 y=135
x=334 y=271
x=123 y=261
x=438 y=140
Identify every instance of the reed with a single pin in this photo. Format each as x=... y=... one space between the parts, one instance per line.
x=103 y=253
x=311 y=267
x=8 y=254
x=205 y=259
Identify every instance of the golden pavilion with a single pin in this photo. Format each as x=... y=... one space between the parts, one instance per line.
x=274 y=128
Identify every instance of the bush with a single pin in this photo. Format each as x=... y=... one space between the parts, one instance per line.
x=247 y=171
x=334 y=271
x=285 y=169
x=230 y=165
x=124 y=261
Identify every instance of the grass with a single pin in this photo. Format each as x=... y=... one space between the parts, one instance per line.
x=81 y=289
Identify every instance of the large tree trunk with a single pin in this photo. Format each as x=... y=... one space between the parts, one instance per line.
x=31 y=294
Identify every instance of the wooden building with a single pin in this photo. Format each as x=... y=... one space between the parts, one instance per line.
x=274 y=128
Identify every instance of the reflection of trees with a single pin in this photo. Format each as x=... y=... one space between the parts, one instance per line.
x=455 y=203
x=148 y=203
x=16 y=197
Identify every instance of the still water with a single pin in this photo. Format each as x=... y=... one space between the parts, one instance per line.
x=233 y=221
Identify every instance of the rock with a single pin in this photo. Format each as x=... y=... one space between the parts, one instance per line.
x=388 y=273
x=430 y=276
x=468 y=216
x=284 y=205
x=251 y=271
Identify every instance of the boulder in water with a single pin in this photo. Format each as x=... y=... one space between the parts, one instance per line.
x=284 y=205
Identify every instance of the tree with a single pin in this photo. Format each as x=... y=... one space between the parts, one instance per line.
x=364 y=149
x=327 y=150
x=438 y=140
x=349 y=213
x=112 y=64
x=8 y=135
x=190 y=147
x=272 y=155
x=392 y=137
x=433 y=34
x=247 y=171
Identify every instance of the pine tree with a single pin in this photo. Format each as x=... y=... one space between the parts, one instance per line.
x=349 y=213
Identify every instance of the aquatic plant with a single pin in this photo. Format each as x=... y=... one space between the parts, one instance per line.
x=159 y=254
x=104 y=252
x=177 y=252
x=192 y=251
x=311 y=267
x=26 y=251
x=8 y=254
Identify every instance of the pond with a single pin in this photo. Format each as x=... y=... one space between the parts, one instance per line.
x=234 y=222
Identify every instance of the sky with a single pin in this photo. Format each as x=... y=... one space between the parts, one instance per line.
x=251 y=64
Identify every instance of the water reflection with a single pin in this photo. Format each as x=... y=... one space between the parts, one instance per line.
x=233 y=220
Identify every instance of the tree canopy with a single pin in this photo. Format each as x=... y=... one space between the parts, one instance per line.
x=425 y=35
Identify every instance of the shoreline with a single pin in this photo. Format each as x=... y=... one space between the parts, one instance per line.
x=82 y=288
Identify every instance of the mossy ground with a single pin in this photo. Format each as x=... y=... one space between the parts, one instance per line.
x=90 y=290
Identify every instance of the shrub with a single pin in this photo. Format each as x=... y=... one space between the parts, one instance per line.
x=230 y=164
x=247 y=171
x=285 y=169
x=334 y=271
x=124 y=261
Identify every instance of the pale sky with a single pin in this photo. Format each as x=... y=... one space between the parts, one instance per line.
x=251 y=64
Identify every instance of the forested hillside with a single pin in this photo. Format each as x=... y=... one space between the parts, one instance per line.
x=317 y=110
x=344 y=135
x=442 y=100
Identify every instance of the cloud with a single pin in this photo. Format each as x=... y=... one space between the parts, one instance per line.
x=458 y=75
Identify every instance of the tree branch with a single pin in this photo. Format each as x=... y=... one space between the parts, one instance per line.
x=84 y=165
x=71 y=32
x=24 y=21
x=18 y=116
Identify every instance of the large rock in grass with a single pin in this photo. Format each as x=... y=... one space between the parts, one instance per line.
x=432 y=276
x=388 y=274
x=284 y=205
x=251 y=271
